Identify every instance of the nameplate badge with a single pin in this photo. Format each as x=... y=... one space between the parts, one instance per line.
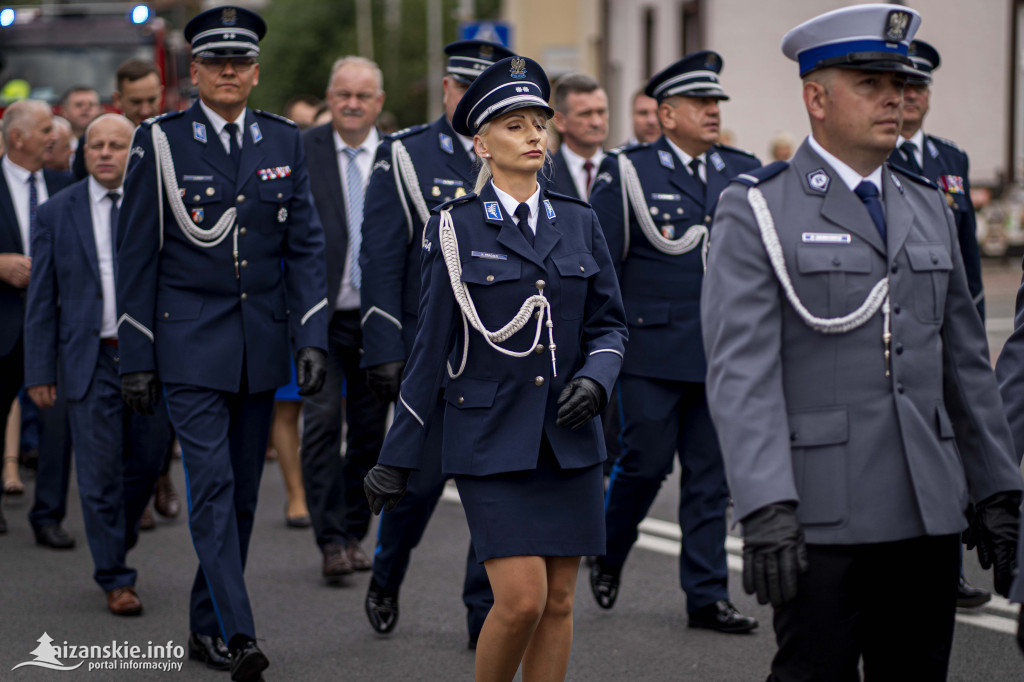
x=658 y=196
x=196 y=178
x=448 y=182
x=825 y=238
x=488 y=256
x=492 y=210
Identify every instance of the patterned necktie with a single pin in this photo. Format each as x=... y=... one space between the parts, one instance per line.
x=354 y=214
x=909 y=151
x=868 y=193
x=33 y=204
x=695 y=164
x=115 y=212
x=523 y=216
x=588 y=166
x=234 y=153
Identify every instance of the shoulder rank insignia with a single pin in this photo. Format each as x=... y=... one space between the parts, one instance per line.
x=383 y=164
x=756 y=176
x=492 y=210
x=603 y=177
x=446 y=143
x=254 y=130
x=666 y=159
x=818 y=180
x=716 y=160
x=276 y=117
x=549 y=209
x=198 y=132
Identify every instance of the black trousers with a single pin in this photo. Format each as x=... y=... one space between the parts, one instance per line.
x=12 y=375
x=844 y=613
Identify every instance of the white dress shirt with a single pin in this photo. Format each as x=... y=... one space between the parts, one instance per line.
x=686 y=159
x=510 y=203
x=17 y=184
x=99 y=206
x=579 y=176
x=218 y=122
x=348 y=295
x=850 y=177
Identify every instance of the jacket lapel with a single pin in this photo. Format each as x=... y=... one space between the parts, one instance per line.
x=327 y=163
x=548 y=234
x=898 y=214
x=458 y=161
x=509 y=236
x=679 y=175
x=252 y=149
x=8 y=216
x=213 y=151
x=79 y=213
x=717 y=181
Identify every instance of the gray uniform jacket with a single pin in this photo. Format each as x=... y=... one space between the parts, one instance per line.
x=812 y=418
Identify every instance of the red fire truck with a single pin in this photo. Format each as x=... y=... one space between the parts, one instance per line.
x=47 y=49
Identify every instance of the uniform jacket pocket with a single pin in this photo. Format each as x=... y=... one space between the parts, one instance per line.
x=465 y=393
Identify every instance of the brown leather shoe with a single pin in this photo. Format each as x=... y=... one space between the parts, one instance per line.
x=357 y=557
x=165 y=500
x=336 y=563
x=122 y=601
x=147 y=522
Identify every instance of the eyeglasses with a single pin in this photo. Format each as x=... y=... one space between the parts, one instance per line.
x=218 y=64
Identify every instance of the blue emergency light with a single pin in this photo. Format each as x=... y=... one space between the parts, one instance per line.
x=6 y=16
x=140 y=14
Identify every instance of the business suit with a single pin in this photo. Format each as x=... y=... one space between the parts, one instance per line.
x=664 y=409
x=389 y=298
x=500 y=409
x=215 y=326
x=560 y=179
x=118 y=453
x=334 y=490
x=947 y=165
x=880 y=467
x=54 y=462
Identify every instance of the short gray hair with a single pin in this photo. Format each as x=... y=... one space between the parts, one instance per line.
x=569 y=84
x=20 y=115
x=128 y=125
x=354 y=60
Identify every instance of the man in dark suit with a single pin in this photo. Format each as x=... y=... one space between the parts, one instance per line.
x=658 y=237
x=581 y=118
x=79 y=106
x=71 y=320
x=212 y=283
x=342 y=151
x=28 y=135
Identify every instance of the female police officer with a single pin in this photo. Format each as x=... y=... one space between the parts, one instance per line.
x=522 y=325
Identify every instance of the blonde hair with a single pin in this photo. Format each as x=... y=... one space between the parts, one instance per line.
x=484 y=175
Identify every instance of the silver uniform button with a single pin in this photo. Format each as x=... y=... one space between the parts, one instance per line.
x=280 y=196
x=581 y=269
x=461 y=400
x=539 y=348
x=210 y=191
x=245 y=264
x=240 y=199
x=242 y=231
x=196 y=198
x=166 y=315
x=490 y=278
x=245 y=296
x=539 y=381
x=540 y=284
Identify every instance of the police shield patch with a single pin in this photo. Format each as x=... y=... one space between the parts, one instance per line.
x=818 y=180
x=492 y=210
x=197 y=215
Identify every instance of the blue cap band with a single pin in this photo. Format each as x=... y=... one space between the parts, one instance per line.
x=810 y=59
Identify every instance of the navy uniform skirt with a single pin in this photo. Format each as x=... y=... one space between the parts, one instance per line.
x=547 y=511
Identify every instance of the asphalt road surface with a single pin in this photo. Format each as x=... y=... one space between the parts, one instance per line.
x=311 y=631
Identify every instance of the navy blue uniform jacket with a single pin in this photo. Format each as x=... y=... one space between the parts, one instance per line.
x=497 y=410
x=661 y=292
x=182 y=310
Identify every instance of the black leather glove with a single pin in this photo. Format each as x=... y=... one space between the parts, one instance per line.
x=774 y=554
x=580 y=400
x=385 y=379
x=310 y=370
x=993 y=530
x=139 y=391
x=384 y=486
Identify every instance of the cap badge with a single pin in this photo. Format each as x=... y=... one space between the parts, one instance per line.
x=229 y=17
x=486 y=51
x=711 y=62
x=818 y=180
x=896 y=26
x=518 y=69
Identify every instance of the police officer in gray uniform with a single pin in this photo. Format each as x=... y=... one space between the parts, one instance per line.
x=849 y=378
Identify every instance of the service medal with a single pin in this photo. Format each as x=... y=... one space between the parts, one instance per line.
x=197 y=215
x=668 y=232
x=459 y=192
x=436 y=191
x=282 y=214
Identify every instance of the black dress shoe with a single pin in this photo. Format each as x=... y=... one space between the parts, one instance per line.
x=247 y=661
x=381 y=608
x=54 y=537
x=209 y=649
x=968 y=596
x=604 y=583
x=722 y=616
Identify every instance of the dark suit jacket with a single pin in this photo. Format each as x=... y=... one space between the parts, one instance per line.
x=12 y=299
x=560 y=179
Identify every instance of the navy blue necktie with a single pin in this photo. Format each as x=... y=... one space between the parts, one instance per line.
x=115 y=213
x=909 y=151
x=694 y=165
x=234 y=153
x=523 y=215
x=868 y=193
x=33 y=204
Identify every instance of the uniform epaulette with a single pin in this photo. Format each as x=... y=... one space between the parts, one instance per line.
x=164 y=117
x=406 y=132
x=730 y=148
x=454 y=202
x=278 y=117
x=628 y=148
x=911 y=175
x=566 y=197
x=948 y=143
x=755 y=177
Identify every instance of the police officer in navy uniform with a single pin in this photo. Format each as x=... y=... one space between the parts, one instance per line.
x=415 y=171
x=942 y=162
x=521 y=312
x=849 y=376
x=216 y=197
x=658 y=236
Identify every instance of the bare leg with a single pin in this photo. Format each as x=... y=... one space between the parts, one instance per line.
x=547 y=656
x=284 y=437
x=11 y=476
x=520 y=592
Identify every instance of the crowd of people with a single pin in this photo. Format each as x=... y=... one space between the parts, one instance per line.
x=554 y=323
